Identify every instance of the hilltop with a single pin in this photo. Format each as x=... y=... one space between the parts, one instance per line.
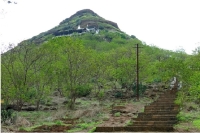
x=82 y=21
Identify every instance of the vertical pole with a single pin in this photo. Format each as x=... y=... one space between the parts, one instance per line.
x=137 y=54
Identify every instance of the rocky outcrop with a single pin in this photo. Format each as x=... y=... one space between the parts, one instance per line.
x=80 y=14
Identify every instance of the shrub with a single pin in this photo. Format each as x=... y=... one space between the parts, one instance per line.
x=185 y=117
x=83 y=90
x=117 y=114
x=142 y=88
x=6 y=115
x=118 y=94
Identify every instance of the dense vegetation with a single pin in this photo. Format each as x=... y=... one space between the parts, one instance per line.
x=82 y=64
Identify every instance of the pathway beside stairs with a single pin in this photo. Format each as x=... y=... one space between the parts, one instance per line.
x=159 y=116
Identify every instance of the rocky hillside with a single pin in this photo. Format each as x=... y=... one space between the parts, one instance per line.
x=82 y=21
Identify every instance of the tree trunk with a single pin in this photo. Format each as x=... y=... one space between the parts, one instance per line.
x=37 y=105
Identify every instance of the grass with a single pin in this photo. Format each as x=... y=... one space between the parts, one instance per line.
x=117 y=114
x=92 y=130
x=105 y=118
x=83 y=126
x=186 y=117
x=58 y=122
x=189 y=120
x=29 y=129
x=196 y=123
x=74 y=130
x=142 y=109
x=128 y=123
x=34 y=114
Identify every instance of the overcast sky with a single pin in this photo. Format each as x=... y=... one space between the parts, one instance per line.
x=168 y=24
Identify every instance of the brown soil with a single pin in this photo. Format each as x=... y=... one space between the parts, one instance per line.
x=52 y=128
x=127 y=112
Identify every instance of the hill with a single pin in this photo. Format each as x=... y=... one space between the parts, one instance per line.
x=81 y=22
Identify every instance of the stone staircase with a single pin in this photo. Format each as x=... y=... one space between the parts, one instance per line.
x=159 y=116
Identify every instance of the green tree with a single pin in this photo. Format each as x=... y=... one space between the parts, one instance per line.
x=76 y=60
x=17 y=65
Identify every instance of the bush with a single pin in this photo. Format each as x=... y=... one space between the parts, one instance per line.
x=6 y=115
x=117 y=114
x=83 y=90
x=186 y=117
x=118 y=94
x=142 y=88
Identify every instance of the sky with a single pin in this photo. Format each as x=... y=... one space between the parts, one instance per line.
x=167 y=24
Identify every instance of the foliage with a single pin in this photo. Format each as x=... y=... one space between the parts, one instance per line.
x=83 y=90
x=6 y=115
x=186 y=117
x=83 y=126
x=117 y=114
x=118 y=94
x=181 y=98
x=80 y=64
x=92 y=130
x=129 y=123
x=142 y=88
x=196 y=123
x=58 y=122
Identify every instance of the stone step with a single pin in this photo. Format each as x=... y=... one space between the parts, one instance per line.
x=169 y=96
x=164 y=113
x=161 y=107
x=154 y=122
x=167 y=128
x=163 y=103
x=161 y=112
x=156 y=115
x=155 y=119
x=166 y=99
x=149 y=124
